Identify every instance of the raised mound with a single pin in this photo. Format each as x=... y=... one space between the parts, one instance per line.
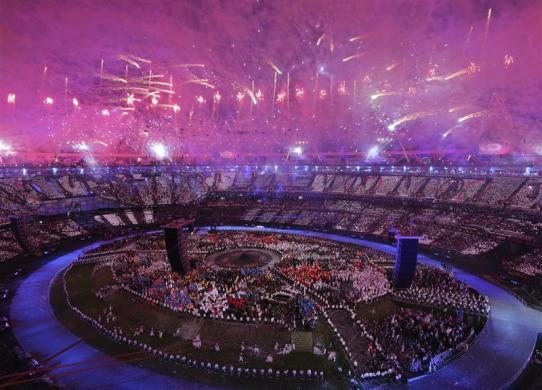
x=239 y=258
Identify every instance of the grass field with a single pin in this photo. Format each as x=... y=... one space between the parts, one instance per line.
x=132 y=312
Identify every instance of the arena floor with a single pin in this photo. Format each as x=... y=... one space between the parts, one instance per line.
x=495 y=359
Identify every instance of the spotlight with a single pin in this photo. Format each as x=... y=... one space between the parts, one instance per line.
x=373 y=152
x=159 y=150
x=80 y=146
x=5 y=148
x=297 y=150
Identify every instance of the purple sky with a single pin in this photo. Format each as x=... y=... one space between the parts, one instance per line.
x=433 y=60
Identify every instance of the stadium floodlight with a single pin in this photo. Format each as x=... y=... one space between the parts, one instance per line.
x=159 y=150
x=373 y=152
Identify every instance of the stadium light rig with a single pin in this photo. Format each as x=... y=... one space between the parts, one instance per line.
x=373 y=152
x=6 y=149
x=81 y=147
x=296 y=150
x=159 y=150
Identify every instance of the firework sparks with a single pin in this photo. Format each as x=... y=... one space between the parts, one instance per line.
x=405 y=119
x=477 y=114
x=391 y=66
x=448 y=132
x=456 y=108
x=11 y=98
x=124 y=58
x=508 y=60
x=342 y=88
x=252 y=96
x=114 y=78
x=299 y=92
x=467 y=41
x=349 y=58
x=486 y=31
x=381 y=94
x=275 y=67
x=203 y=82
x=320 y=39
x=189 y=66
x=48 y=101
x=358 y=37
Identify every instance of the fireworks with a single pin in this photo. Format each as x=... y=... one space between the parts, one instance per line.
x=275 y=67
x=473 y=68
x=252 y=96
x=342 y=88
x=456 y=108
x=312 y=82
x=320 y=39
x=349 y=58
x=203 y=82
x=357 y=38
x=508 y=60
x=406 y=118
x=129 y=60
x=477 y=114
x=391 y=66
x=381 y=94
x=448 y=132
x=486 y=31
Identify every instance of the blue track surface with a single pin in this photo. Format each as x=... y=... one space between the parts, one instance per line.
x=495 y=359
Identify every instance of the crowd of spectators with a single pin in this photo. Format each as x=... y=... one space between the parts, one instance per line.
x=528 y=264
x=437 y=288
x=414 y=337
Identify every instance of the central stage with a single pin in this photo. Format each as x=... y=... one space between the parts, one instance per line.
x=238 y=258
